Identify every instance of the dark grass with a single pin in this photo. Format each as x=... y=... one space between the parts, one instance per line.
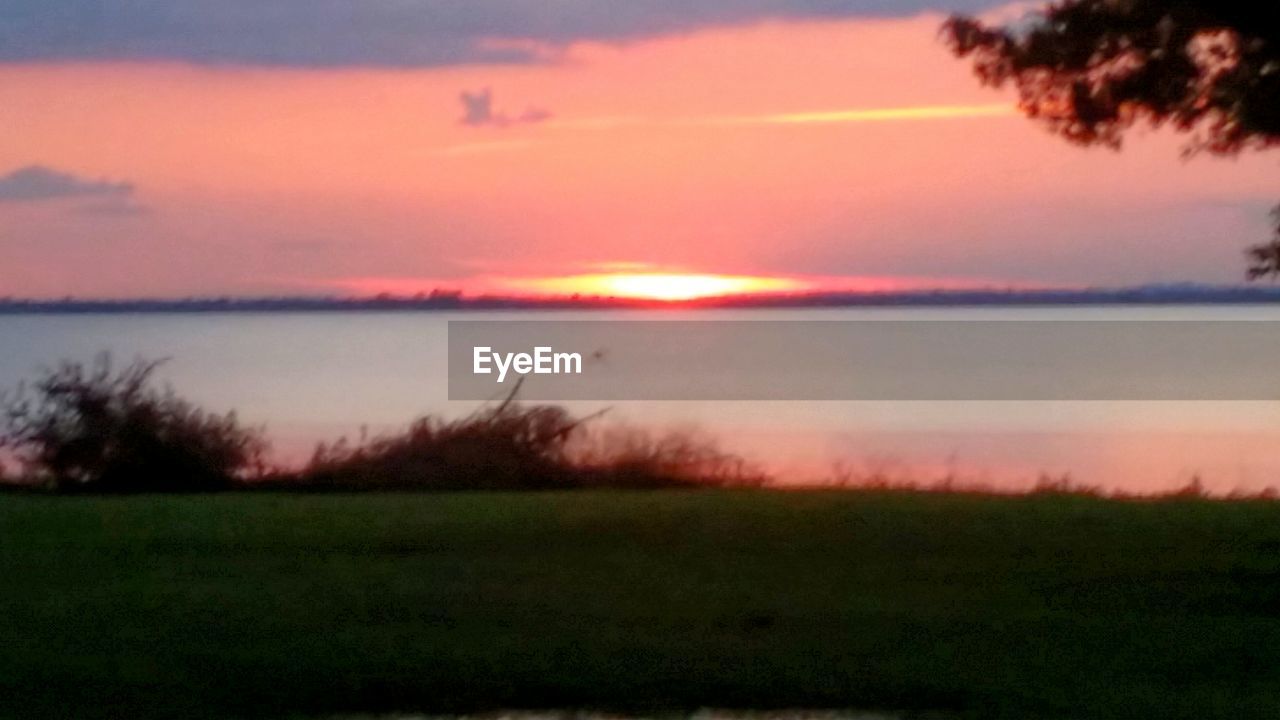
x=277 y=605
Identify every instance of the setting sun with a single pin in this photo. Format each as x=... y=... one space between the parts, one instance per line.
x=661 y=286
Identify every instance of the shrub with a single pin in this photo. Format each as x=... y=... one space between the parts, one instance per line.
x=510 y=446
x=96 y=429
x=502 y=447
x=622 y=456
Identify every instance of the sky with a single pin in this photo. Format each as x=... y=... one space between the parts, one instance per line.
x=238 y=147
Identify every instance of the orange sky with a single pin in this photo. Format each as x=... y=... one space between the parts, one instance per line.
x=822 y=152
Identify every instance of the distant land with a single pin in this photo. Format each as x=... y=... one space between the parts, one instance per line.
x=1166 y=294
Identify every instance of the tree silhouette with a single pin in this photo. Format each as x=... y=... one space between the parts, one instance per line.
x=1093 y=69
x=98 y=429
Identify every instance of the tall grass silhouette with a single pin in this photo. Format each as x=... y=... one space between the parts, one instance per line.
x=98 y=429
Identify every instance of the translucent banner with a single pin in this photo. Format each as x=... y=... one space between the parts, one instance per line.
x=865 y=360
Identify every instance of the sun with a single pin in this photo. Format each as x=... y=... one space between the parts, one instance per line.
x=662 y=286
x=683 y=286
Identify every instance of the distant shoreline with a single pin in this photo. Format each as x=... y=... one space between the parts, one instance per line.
x=1140 y=295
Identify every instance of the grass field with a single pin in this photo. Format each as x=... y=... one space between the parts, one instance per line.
x=275 y=605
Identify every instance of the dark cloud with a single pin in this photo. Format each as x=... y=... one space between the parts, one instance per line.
x=395 y=33
x=477 y=108
x=478 y=111
x=36 y=182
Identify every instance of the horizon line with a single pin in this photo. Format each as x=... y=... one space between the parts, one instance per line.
x=447 y=295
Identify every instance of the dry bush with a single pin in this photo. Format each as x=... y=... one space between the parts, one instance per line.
x=510 y=446
x=96 y=429
x=623 y=456
x=503 y=447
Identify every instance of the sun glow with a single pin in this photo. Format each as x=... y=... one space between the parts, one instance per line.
x=662 y=286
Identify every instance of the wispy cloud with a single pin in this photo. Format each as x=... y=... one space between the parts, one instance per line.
x=918 y=113
x=864 y=115
x=819 y=117
x=37 y=182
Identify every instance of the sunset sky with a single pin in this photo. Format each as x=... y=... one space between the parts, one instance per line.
x=362 y=146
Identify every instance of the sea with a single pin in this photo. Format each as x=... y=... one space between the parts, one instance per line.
x=311 y=377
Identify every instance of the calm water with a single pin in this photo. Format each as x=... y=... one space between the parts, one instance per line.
x=311 y=377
